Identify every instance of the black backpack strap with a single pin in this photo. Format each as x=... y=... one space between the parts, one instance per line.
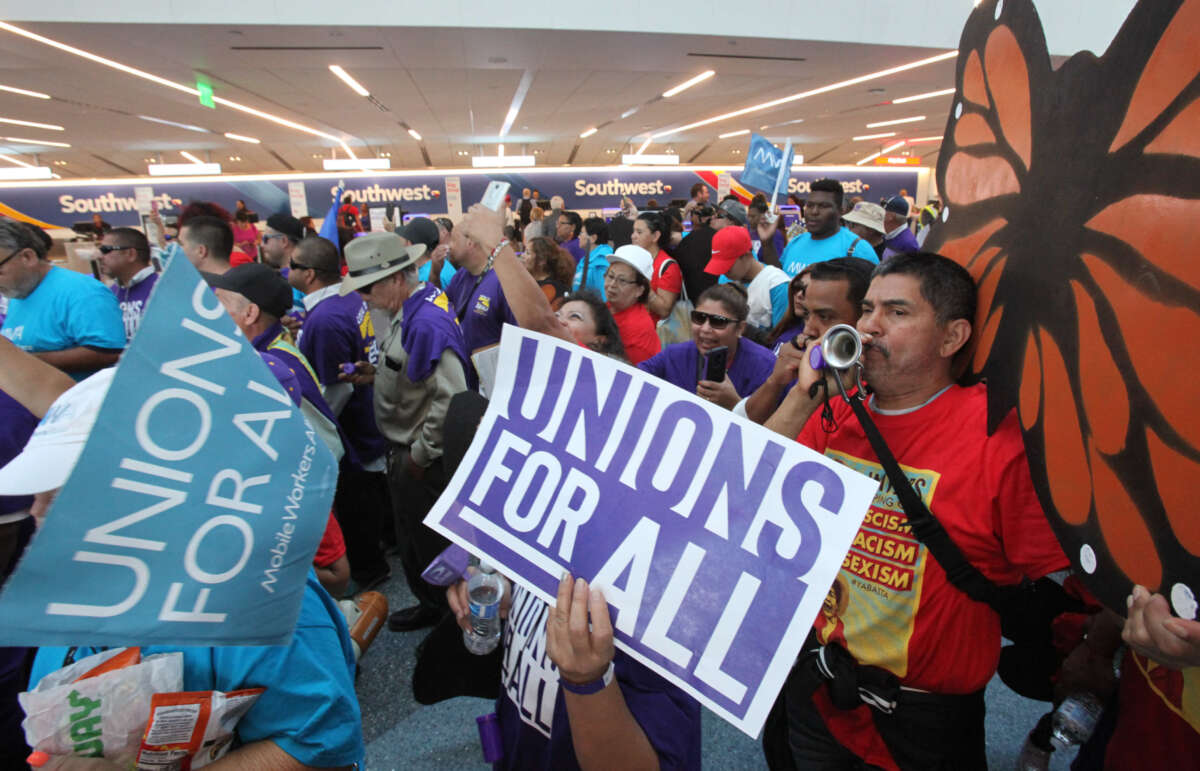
x=854 y=243
x=961 y=573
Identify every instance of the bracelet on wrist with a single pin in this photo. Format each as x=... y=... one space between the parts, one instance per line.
x=590 y=687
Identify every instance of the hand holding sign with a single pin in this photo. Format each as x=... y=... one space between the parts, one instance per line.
x=581 y=651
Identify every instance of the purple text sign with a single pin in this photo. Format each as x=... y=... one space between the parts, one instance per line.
x=713 y=539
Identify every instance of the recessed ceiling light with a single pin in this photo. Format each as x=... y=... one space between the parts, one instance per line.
x=23 y=141
x=413 y=133
x=31 y=124
x=349 y=81
x=813 y=92
x=24 y=92
x=588 y=133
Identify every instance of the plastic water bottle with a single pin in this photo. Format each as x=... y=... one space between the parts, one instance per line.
x=1075 y=719
x=485 y=590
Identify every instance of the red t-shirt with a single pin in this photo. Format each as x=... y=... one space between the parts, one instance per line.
x=891 y=605
x=237 y=257
x=665 y=275
x=332 y=547
x=638 y=334
x=1158 y=716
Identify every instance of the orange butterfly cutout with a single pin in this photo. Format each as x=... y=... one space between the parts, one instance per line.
x=1073 y=196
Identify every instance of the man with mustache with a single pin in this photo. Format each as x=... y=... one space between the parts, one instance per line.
x=926 y=646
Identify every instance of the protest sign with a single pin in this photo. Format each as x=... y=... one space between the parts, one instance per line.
x=194 y=511
x=714 y=540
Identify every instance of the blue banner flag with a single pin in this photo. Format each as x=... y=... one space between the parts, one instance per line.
x=194 y=511
x=714 y=540
x=329 y=226
x=763 y=163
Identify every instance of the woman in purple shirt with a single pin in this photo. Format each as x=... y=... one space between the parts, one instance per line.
x=718 y=320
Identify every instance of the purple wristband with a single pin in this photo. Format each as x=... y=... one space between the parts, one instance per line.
x=588 y=688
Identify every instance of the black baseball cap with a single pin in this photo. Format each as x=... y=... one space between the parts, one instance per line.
x=286 y=224
x=258 y=283
x=896 y=205
x=421 y=230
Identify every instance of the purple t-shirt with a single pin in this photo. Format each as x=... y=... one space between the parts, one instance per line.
x=16 y=426
x=575 y=249
x=480 y=307
x=336 y=331
x=133 y=299
x=680 y=364
x=273 y=342
x=533 y=713
x=428 y=330
x=787 y=336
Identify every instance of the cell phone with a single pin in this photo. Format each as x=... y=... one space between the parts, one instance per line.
x=714 y=364
x=493 y=197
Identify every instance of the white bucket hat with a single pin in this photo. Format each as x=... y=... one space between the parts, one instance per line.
x=50 y=454
x=635 y=257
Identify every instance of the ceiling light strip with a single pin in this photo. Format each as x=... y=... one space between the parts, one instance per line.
x=645 y=144
x=865 y=137
x=242 y=138
x=918 y=97
x=190 y=157
x=733 y=134
x=349 y=81
x=685 y=85
x=32 y=124
x=588 y=133
x=15 y=161
x=920 y=140
x=24 y=92
x=813 y=92
x=896 y=122
x=24 y=141
x=518 y=99
x=170 y=84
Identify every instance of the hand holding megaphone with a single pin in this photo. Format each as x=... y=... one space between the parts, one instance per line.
x=839 y=354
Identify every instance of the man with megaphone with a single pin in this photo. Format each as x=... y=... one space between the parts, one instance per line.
x=899 y=682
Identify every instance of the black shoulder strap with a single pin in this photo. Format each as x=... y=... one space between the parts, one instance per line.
x=854 y=243
x=961 y=573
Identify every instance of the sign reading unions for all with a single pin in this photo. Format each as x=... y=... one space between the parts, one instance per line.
x=196 y=506
x=714 y=540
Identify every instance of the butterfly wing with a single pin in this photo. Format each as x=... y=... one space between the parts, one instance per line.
x=1069 y=195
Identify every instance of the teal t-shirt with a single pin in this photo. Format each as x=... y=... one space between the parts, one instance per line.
x=309 y=708
x=66 y=310
x=804 y=250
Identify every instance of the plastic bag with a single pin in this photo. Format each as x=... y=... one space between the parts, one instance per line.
x=97 y=707
x=189 y=730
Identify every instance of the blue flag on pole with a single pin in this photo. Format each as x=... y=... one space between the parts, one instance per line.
x=763 y=163
x=195 y=508
x=329 y=226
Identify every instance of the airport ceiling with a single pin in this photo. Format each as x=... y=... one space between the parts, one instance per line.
x=453 y=87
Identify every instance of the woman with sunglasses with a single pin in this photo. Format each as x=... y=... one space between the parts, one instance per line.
x=718 y=321
x=627 y=287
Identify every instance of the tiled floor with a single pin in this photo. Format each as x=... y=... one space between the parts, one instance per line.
x=402 y=734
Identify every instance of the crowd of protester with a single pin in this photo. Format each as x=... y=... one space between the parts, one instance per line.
x=410 y=305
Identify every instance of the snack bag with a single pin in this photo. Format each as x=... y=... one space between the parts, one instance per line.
x=191 y=729
x=97 y=707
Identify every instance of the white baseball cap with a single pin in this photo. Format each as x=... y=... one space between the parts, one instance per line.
x=635 y=257
x=50 y=454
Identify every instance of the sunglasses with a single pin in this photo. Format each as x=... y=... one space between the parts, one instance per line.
x=300 y=266
x=714 y=321
x=106 y=249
